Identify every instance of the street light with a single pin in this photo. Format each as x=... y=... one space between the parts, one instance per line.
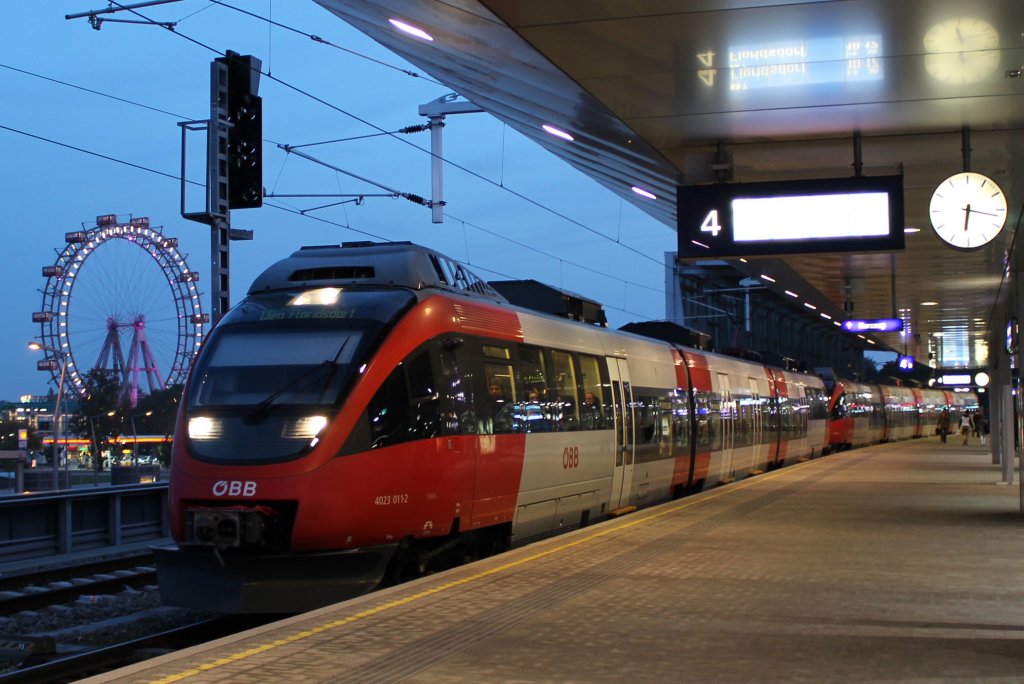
x=135 y=437
x=57 y=431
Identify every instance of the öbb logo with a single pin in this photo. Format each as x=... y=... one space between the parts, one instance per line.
x=234 y=488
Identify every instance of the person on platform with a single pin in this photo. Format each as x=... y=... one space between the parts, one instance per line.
x=965 y=426
x=943 y=425
x=978 y=423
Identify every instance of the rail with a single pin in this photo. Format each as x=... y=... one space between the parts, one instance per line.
x=47 y=524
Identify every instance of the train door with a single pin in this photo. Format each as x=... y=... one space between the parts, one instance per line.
x=622 y=396
x=759 y=450
x=727 y=424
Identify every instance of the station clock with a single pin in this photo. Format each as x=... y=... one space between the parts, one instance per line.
x=968 y=210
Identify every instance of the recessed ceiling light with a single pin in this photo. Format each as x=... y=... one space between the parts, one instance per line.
x=909 y=229
x=644 y=193
x=929 y=303
x=411 y=30
x=791 y=293
x=768 y=278
x=557 y=132
x=810 y=306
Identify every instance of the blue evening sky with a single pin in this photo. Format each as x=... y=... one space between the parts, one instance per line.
x=144 y=79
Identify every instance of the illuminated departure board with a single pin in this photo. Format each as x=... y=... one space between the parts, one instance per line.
x=858 y=214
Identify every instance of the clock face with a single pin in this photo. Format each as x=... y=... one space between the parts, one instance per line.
x=968 y=210
x=964 y=50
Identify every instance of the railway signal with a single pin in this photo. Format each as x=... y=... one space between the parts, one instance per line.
x=245 y=136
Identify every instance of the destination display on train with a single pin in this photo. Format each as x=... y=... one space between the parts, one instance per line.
x=857 y=214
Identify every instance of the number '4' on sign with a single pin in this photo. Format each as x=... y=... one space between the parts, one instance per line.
x=710 y=224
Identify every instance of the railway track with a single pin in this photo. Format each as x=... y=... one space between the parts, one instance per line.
x=55 y=668
x=65 y=571
x=85 y=581
x=81 y=617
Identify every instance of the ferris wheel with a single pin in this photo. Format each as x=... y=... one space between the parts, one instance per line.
x=121 y=299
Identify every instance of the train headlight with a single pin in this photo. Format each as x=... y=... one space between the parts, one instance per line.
x=203 y=427
x=307 y=427
x=324 y=296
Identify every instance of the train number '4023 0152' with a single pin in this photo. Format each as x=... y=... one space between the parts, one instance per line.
x=389 y=499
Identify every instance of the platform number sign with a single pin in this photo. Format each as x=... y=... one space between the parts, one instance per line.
x=857 y=214
x=711 y=224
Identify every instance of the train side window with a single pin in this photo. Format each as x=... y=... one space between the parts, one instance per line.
x=406 y=406
x=818 y=403
x=665 y=424
x=495 y=411
x=456 y=389
x=563 y=404
x=718 y=411
x=742 y=414
x=785 y=412
x=388 y=411
x=424 y=407
x=646 y=411
x=703 y=422
x=680 y=407
x=530 y=413
x=594 y=408
x=839 y=410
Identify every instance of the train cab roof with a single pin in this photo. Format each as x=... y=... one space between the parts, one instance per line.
x=376 y=264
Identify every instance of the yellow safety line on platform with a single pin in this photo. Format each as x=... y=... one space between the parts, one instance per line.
x=619 y=525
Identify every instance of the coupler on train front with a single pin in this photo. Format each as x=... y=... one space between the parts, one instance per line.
x=230 y=561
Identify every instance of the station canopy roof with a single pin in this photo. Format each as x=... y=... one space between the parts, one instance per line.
x=658 y=93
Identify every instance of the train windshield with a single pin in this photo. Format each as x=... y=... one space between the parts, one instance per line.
x=254 y=367
x=263 y=388
x=278 y=350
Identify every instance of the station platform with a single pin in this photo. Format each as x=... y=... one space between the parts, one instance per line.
x=898 y=562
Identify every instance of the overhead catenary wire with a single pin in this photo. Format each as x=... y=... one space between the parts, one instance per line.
x=323 y=41
x=550 y=256
x=466 y=170
x=297 y=212
x=94 y=92
x=304 y=212
x=288 y=149
x=382 y=132
x=418 y=200
x=418 y=128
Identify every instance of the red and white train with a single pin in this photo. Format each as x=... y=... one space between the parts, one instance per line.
x=371 y=412
x=862 y=414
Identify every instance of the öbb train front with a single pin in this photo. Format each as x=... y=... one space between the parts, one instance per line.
x=306 y=448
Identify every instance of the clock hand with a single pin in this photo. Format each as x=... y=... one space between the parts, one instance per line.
x=986 y=213
x=967 y=215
